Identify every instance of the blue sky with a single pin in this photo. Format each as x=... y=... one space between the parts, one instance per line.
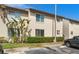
x=44 y=7
x=66 y=10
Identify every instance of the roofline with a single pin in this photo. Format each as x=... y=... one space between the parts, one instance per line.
x=35 y=10
x=40 y=12
x=54 y=15
x=71 y=19
x=6 y=6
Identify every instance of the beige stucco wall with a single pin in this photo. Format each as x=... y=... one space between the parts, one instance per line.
x=46 y=25
x=75 y=28
x=59 y=26
x=66 y=28
x=69 y=26
x=3 y=29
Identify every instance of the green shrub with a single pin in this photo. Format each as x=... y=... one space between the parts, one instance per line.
x=2 y=40
x=39 y=39
x=60 y=39
x=43 y=39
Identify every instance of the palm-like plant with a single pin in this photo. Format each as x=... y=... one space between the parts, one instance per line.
x=23 y=28
x=21 y=24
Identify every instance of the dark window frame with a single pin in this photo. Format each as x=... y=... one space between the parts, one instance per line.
x=39 y=18
x=39 y=32
x=71 y=32
x=59 y=20
x=58 y=32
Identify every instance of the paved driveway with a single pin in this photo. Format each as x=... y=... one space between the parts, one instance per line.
x=46 y=50
x=53 y=50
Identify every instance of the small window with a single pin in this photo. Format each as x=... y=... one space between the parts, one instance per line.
x=58 y=32
x=39 y=32
x=39 y=18
x=58 y=20
x=71 y=32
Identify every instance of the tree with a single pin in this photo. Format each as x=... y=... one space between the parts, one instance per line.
x=4 y=14
x=20 y=26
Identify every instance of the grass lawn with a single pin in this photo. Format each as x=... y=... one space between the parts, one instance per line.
x=30 y=45
x=16 y=45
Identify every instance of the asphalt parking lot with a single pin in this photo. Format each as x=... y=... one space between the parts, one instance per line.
x=53 y=50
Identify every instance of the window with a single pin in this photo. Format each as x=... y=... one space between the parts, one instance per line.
x=71 y=32
x=39 y=32
x=58 y=20
x=39 y=18
x=58 y=32
x=15 y=14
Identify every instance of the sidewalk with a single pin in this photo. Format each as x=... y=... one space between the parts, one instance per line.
x=52 y=44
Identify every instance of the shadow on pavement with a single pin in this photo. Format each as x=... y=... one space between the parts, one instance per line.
x=75 y=48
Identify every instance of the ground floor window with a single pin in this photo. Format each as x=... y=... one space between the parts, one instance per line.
x=39 y=32
x=71 y=32
x=58 y=32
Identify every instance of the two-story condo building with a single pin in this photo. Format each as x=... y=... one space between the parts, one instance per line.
x=41 y=23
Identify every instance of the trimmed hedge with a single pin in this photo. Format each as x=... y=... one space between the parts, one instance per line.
x=60 y=39
x=42 y=39
x=39 y=39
